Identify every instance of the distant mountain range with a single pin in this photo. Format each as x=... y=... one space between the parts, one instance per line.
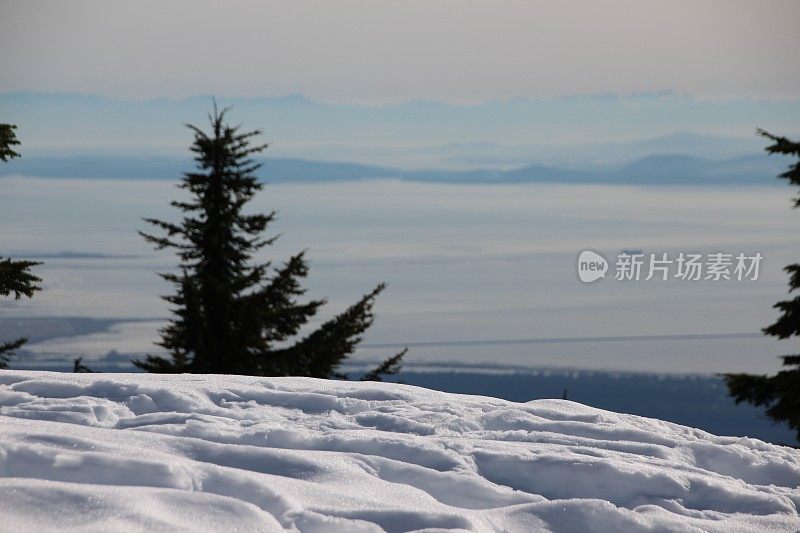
x=652 y=170
x=576 y=132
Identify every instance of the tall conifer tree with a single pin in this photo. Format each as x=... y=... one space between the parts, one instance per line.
x=231 y=314
x=16 y=278
x=779 y=394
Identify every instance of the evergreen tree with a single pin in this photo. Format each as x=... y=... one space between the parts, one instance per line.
x=231 y=313
x=15 y=276
x=779 y=394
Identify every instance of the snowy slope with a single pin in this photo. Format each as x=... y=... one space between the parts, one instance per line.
x=133 y=452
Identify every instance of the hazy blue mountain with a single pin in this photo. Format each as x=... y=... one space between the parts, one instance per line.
x=670 y=169
x=759 y=169
x=86 y=166
x=651 y=170
x=280 y=170
x=539 y=173
x=566 y=132
x=511 y=141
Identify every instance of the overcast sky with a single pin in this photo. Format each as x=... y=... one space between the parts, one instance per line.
x=378 y=51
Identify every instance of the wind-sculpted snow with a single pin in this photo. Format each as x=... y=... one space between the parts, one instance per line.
x=133 y=452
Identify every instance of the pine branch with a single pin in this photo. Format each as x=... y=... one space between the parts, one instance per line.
x=388 y=367
x=794 y=276
x=158 y=365
x=784 y=146
x=779 y=393
x=321 y=353
x=8 y=350
x=8 y=139
x=16 y=279
x=788 y=323
x=79 y=368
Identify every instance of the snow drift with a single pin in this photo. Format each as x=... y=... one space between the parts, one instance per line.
x=130 y=452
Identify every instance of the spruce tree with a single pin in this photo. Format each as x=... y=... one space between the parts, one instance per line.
x=778 y=394
x=233 y=315
x=15 y=276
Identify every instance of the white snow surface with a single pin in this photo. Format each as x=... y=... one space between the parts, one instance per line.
x=145 y=452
